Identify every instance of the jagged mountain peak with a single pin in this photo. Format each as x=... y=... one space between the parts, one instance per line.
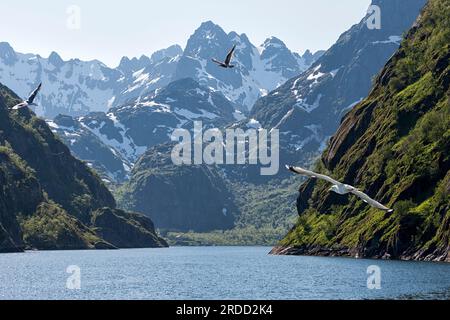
x=307 y=53
x=273 y=41
x=255 y=74
x=134 y=64
x=207 y=40
x=209 y=30
x=273 y=47
x=209 y=26
x=55 y=59
x=169 y=52
x=7 y=53
x=5 y=46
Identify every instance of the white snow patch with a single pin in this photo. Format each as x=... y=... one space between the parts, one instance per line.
x=254 y=124
x=316 y=74
x=392 y=39
x=191 y=115
x=309 y=107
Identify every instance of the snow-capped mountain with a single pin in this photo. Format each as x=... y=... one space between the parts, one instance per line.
x=86 y=144
x=72 y=87
x=151 y=120
x=111 y=142
x=308 y=108
x=78 y=87
x=143 y=75
x=258 y=69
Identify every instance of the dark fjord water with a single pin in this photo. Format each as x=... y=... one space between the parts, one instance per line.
x=213 y=273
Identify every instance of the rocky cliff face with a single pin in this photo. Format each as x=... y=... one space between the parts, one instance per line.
x=395 y=146
x=47 y=197
x=308 y=108
x=181 y=198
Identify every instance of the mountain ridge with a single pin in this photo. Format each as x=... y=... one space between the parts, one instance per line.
x=395 y=146
x=75 y=87
x=48 y=198
x=254 y=74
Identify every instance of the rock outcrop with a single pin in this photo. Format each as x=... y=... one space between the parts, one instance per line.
x=48 y=198
x=394 y=145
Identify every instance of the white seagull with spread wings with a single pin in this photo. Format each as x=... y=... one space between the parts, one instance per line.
x=227 y=63
x=30 y=101
x=340 y=188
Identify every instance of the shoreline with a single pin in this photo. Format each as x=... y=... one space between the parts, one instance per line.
x=354 y=253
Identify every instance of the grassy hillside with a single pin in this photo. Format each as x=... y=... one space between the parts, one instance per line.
x=47 y=197
x=395 y=146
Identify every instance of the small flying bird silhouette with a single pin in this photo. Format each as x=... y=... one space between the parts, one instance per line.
x=30 y=101
x=340 y=188
x=227 y=63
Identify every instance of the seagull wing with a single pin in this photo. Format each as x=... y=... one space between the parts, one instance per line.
x=230 y=55
x=220 y=63
x=20 y=106
x=369 y=200
x=34 y=94
x=311 y=174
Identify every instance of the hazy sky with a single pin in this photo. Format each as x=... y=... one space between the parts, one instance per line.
x=112 y=29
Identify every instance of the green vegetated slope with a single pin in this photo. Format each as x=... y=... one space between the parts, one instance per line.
x=266 y=215
x=395 y=146
x=50 y=200
x=198 y=205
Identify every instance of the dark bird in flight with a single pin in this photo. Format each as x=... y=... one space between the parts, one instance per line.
x=227 y=63
x=30 y=101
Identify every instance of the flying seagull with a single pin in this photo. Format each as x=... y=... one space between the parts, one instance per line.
x=227 y=63
x=340 y=188
x=30 y=101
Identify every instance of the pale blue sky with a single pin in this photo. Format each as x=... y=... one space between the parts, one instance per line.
x=112 y=29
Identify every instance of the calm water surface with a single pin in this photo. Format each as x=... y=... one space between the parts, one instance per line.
x=213 y=273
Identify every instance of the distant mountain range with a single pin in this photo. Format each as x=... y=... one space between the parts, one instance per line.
x=78 y=87
x=109 y=117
